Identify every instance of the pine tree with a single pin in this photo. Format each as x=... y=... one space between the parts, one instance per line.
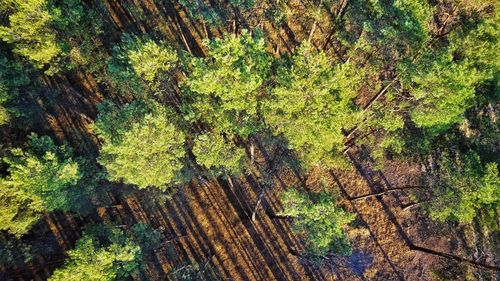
x=319 y=219
x=101 y=254
x=311 y=104
x=225 y=85
x=467 y=189
x=39 y=181
x=218 y=155
x=142 y=145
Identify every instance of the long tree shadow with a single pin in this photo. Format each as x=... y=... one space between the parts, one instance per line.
x=263 y=236
x=367 y=173
x=365 y=224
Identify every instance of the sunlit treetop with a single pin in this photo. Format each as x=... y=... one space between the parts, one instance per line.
x=318 y=218
x=225 y=84
x=38 y=181
x=101 y=254
x=311 y=104
x=219 y=155
x=142 y=146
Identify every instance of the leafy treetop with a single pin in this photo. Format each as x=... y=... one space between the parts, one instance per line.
x=142 y=146
x=215 y=153
x=225 y=84
x=468 y=188
x=101 y=254
x=38 y=181
x=319 y=219
x=312 y=103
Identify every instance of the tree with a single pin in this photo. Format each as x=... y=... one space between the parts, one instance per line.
x=319 y=219
x=30 y=31
x=223 y=93
x=44 y=32
x=466 y=189
x=224 y=86
x=311 y=104
x=39 y=180
x=445 y=84
x=218 y=155
x=150 y=59
x=101 y=254
x=139 y=65
x=142 y=144
x=19 y=89
x=437 y=81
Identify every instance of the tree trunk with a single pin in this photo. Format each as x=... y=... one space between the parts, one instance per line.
x=315 y=23
x=261 y=196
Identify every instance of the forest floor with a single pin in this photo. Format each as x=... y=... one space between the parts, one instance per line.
x=209 y=222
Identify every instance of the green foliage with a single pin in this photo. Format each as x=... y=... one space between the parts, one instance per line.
x=31 y=33
x=319 y=219
x=111 y=256
x=147 y=237
x=43 y=32
x=311 y=104
x=122 y=76
x=140 y=65
x=150 y=59
x=224 y=93
x=445 y=84
x=145 y=57
x=438 y=80
x=18 y=90
x=225 y=84
x=4 y=115
x=39 y=180
x=142 y=146
x=468 y=188
x=214 y=152
x=391 y=30
x=78 y=29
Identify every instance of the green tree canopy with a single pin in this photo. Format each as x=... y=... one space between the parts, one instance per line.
x=225 y=84
x=44 y=32
x=218 y=155
x=467 y=188
x=38 y=181
x=445 y=84
x=438 y=79
x=31 y=32
x=312 y=103
x=142 y=146
x=101 y=254
x=319 y=219
x=140 y=59
x=19 y=88
x=150 y=59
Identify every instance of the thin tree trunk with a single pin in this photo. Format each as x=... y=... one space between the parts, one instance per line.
x=261 y=196
x=387 y=191
x=229 y=180
x=252 y=151
x=184 y=39
x=315 y=23
x=459 y=259
x=205 y=30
